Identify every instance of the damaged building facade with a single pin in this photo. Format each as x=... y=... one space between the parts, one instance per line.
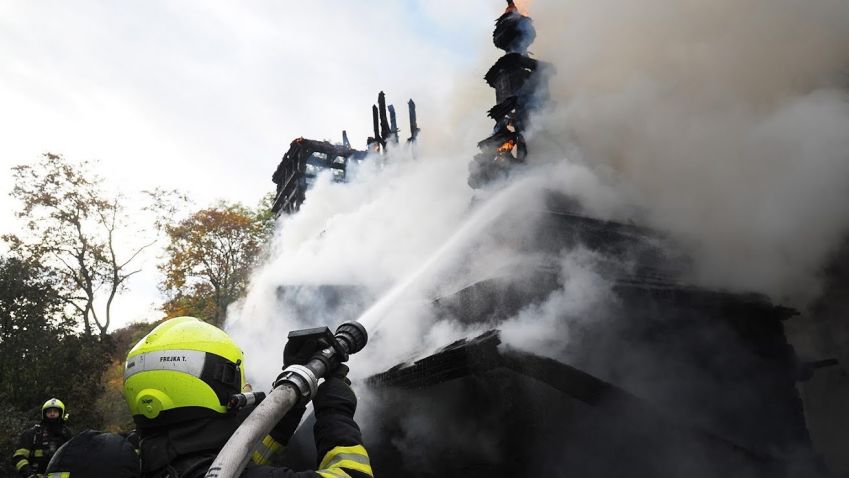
x=661 y=379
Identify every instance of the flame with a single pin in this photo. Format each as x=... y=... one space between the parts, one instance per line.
x=506 y=146
x=522 y=6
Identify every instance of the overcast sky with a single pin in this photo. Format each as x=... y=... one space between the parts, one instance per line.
x=205 y=96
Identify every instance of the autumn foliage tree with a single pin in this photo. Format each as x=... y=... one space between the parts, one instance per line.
x=209 y=259
x=72 y=225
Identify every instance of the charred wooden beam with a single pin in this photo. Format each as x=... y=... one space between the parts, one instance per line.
x=393 y=124
x=375 y=122
x=384 y=123
x=414 y=127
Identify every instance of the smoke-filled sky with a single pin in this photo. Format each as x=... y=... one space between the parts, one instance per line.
x=725 y=125
x=729 y=121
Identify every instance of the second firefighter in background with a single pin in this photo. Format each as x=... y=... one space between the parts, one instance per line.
x=39 y=442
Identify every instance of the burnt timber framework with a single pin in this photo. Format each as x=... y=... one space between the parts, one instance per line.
x=300 y=166
x=307 y=158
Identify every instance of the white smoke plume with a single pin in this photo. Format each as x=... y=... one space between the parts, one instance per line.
x=723 y=124
x=404 y=235
x=399 y=237
x=366 y=233
x=728 y=121
x=582 y=294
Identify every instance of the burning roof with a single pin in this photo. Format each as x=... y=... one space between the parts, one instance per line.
x=306 y=158
x=520 y=84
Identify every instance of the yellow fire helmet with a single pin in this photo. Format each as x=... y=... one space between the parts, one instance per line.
x=54 y=403
x=183 y=369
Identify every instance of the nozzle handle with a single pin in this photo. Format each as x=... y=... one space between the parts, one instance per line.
x=350 y=338
x=293 y=385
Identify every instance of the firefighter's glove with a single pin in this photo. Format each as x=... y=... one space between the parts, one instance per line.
x=340 y=372
x=299 y=352
x=285 y=428
x=335 y=395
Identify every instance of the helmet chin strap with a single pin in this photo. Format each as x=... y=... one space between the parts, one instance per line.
x=52 y=424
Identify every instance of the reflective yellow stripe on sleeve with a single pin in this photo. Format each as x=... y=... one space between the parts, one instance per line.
x=21 y=464
x=350 y=457
x=264 y=450
x=59 y=474
x=24 y=452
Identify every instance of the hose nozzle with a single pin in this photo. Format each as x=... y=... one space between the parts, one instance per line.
x=353 y=336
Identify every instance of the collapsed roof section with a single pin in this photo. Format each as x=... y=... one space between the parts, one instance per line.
x=307 y=158
x=304 y=160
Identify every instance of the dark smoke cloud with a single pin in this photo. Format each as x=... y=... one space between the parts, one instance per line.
x=726 y=121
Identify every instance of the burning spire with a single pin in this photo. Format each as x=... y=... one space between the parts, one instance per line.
x=520 y=84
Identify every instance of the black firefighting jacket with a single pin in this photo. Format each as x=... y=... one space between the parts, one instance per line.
x=96 y=454
x=37 y=445
x=187 y=450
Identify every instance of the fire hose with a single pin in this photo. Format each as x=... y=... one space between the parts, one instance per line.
x=297 y=384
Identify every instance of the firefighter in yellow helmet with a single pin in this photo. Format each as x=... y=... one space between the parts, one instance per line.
x=38 y=443
x=177 y=382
